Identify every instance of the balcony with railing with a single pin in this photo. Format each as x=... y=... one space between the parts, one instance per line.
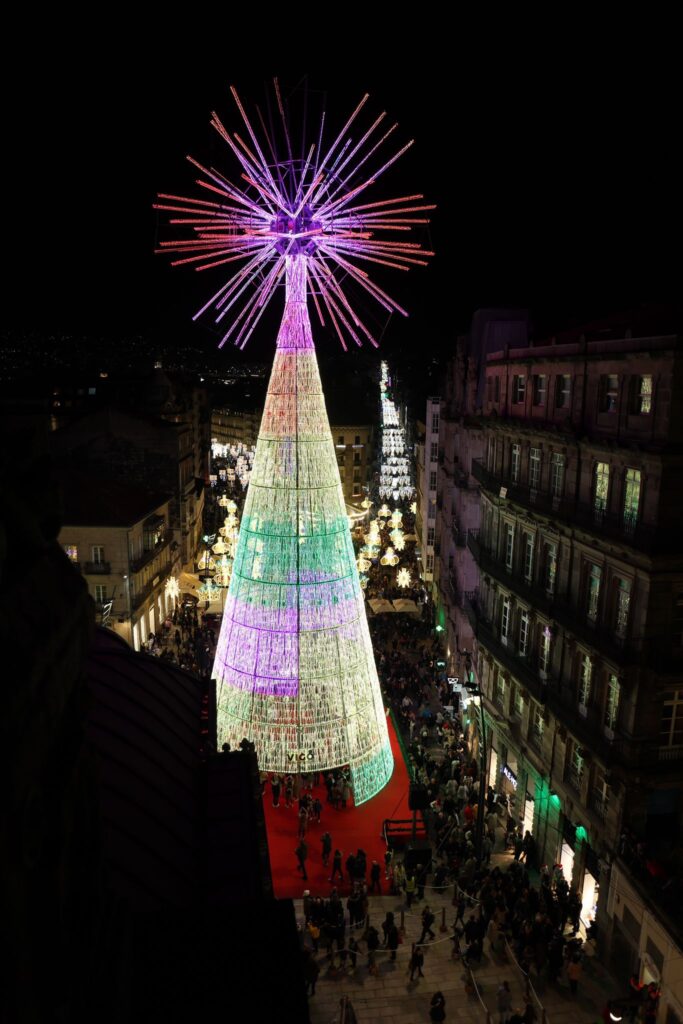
x=561 y=699
x=97 y=568
x=650 y=539
x=559 y=608
x=136 y=564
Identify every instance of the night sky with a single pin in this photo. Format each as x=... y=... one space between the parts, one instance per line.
x=554 y=181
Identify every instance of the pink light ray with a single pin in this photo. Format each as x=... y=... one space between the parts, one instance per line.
x=253 y=138
x=364 y=160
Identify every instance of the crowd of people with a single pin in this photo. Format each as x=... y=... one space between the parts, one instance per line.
x=185 y=639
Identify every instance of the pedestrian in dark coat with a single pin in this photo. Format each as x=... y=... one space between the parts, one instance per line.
x=301 y=855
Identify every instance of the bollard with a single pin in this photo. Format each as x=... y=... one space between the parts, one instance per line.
x=443 y=927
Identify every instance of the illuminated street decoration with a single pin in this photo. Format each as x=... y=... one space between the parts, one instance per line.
x=294 y=663
x=172 y=588
x=403 y=577
x=389 y=558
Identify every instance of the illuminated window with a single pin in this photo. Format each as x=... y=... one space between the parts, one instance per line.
x=544 y=652
x=518 y=388
x=524 y=633
x=534 y=467
x=434 y=451
x=72 y=552
x=612 y=702
x=97 y=554
x=631 y=498
x=517 y=703
x=576 y=766
x=585 y=679
x=600 y=490
x=501 y=689
x=100 y=593
x=623 y=602
x=641 y=400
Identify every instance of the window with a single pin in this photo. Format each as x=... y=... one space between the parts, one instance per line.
x=356 y=475
x=528 y=557
x=550 y=567
x=544 y=653
x=356 y=458
x=612 y=703
x=340 y=440
x=585 y=680
x=518 y=388
x=540 y=386
x=72 y=552
x=641 y=395
x=100 y=593
x=600 y=794
x=434 y=451
x=430 y=563
x=341 y=459
x=501 y=689
x=509 y=545
x=563 y=391
x=557 y=475
x=518 y=702
x=505 y=619
x=357 y=440
x=631 y=498
x=594 y=578
x=534 y=467
x=496 y=389
x=537 y=724
x=671 y=727
x=356 y=489
x=576 y=766
x=432 y=480
x=515 y=458
x=600 y=490
x=609 y=392
x=97 y=554
x=435 y=424
x=430 y=536
x=524 y=633
x=623 y=601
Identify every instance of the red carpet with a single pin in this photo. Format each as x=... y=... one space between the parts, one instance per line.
x=350 y=829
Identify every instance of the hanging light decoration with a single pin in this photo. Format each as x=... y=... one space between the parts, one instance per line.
x=384 y=511
x=219 y=547
x=413 y=507
x=403 y=577
x=209 y=591
x=363 y=581
x=363 y=564
x=231 y=506
x=389 y=557
x=396 y=517
x=366 y=503
x=400 y=542
x=172 y=588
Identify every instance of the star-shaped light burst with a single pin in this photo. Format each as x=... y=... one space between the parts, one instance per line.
x=297 y=199
x=403 y=578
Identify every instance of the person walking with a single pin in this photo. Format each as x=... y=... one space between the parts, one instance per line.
x=326 y=840
x=337 y=866
x=427 y=922
x=311 y=972
x=374 y=877
x=387 y=862
x=410 y=889
x=504 y=1002
x=301 y=855
x=372 y=939
x=437 y=1007
x=416 y=962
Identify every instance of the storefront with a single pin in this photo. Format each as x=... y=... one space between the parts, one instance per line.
x=528 y=813
x=493 y=769
x=567 y=849
x=590 y=889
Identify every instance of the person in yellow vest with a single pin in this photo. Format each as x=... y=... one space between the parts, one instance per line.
x=411 y=886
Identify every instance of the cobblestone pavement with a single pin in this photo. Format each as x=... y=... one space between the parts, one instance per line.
x=391 y=998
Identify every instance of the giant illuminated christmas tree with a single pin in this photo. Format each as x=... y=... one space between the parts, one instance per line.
x=294 y=664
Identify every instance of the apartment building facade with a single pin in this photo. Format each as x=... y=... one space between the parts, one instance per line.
x=576 y=617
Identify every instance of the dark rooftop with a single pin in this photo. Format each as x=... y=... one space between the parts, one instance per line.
x=93 y=501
